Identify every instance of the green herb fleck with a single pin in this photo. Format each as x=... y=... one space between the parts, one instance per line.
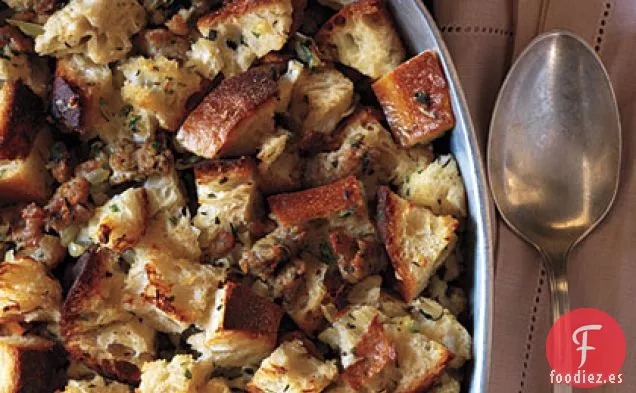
x=188 y=373
x=256 y=34
x=345 y=214
x=125 y=110
x=174 y=220
x=413 y=328
x=114 y=208
x=156 y=145
x=423 y=98
x=132 y=123
x=326 y=255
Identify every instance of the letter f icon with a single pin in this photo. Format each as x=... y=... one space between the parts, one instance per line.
x=583 y=344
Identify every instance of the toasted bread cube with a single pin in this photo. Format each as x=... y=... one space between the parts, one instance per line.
x=162 y=42
x=280 y=168
x=438 y=186
x=164 y=192
x=21 y=118
x=159 y=86
x=366 y=151
x=171 y=293
x=292 y=368
x=341 y=200
x=170 y=233
x=245 y=30
x=121 y=222
x=362 y=35
x=243 y=327
x=416 y=100
x=416 y=240
x=80 y=90
x=26 y=178
x=96 y=385
x=439 y=324
x=28 y=293
x=96 y=329
x=229 y=201
x=205 y=56
x=24 y=145
x=30 y=364
x=234 y=118
x=182 y=374
x=446 y=384
x=18 y=65
x=95 y=28
x=421 y=360
x=320 y=99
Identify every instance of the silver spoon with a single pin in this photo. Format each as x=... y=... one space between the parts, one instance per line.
x=554 y=151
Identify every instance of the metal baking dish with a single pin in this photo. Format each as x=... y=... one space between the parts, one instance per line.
x=419 y=32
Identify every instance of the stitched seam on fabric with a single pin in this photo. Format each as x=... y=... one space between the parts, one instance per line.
x=598 y=40
x=477 y=30
x=531 y=328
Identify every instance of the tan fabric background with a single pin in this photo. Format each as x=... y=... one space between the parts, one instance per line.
x=484 y=36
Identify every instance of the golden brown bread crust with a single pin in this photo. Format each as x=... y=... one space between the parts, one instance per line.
x=231 y=9
x=375 y=352
x=35 y=365
x=416 y=100
x=421 y=385
x=345 y=196
x=214 y=170
x=391 y=212
x=21 y=118
x=93 y=267
x=162 y=42
x=209 y=130
x=249 y=313
x=357 y=258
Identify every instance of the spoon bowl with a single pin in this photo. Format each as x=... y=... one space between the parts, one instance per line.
x=554 y=151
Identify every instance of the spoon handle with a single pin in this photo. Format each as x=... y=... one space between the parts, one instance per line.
x=556 y=267
x=556 y=264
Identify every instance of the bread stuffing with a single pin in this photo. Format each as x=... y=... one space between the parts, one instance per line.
x=205 y=197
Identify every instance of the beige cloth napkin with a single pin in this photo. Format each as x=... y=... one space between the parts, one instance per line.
x=483 y=37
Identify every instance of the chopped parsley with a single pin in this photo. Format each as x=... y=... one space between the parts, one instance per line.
x=188 y=373
x=326 y=255
x=423 y=98
x=174 y=220
x=114 y=208
x=132 y=123
x=256 y=34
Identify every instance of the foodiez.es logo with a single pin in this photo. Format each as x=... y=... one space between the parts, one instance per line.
x=586 y=348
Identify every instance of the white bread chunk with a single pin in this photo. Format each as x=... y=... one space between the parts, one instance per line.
x=182 y=374
x=320 y=99
x=33 y=72
x=170 y=233
x=234 y=118
x=229 y=200
x=96 y=329
x=362 y=35
x=96 y=385
x=28 y=293
x=205 y=56
x=121 y=222
x=101 y=30
x=439 y=324
x=30 y=364
x=164 y=192
x=291 y=368
x=416 y=240
x=420 y=359
x=437 y=186
x=446 y=384
x=159 y=86
x=245 y=30
x=242 y=330
x=171 y=293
